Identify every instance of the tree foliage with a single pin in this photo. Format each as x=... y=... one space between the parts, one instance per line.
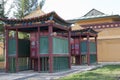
x=42 y=3
x=20 y=7
x=3 y=4
x=24 y=7
x=3 y=14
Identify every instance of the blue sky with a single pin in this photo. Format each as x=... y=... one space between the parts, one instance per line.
x=69 y=9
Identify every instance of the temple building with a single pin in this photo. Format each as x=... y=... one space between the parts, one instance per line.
x=49 y=45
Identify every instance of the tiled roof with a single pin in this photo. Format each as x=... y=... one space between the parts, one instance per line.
x=45 y=17
x=93 y=14
x=35 y=13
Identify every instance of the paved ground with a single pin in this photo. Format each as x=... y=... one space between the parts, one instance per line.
x=31 y=75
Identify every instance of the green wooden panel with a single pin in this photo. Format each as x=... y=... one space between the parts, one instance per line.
x=66 y=50
x=44 y=64
x=84 y=59
x=60 y=46
x=92 y=47
x=92 y=58
x=60 y=63
x=12 y=47
x=23 y=63
x=24 y=48
x=84 y=47
x=12 y=67
x=44 y=45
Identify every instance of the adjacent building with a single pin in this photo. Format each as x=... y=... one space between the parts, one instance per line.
x=108 y=27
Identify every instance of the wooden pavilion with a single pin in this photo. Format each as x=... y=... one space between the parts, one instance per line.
x=84 y=46
x=44 y=51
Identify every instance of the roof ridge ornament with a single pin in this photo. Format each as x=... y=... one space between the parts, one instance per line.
x=52 y=15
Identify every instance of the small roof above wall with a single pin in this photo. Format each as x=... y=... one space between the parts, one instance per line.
x=84 y=33
x=93 y=12
x=35 y=13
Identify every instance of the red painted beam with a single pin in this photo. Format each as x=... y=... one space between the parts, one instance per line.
x=38 y=25
x=28 y=26
x=61 y=27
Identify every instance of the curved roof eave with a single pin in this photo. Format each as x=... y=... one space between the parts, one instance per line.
x=42 y=17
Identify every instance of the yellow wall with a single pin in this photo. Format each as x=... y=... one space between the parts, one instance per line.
x=109 y=45
x=109 y=33
x=2 y=65
x=1 y=48
x=93 y=21
x=109 y=50
x=1 y=54
x=108 y=40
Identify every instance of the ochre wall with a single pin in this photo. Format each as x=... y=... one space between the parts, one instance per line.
x=108 y=40
x=2 y=65
x=1 y=48
x=1 y=54
x=109 y=50
x=109 y=33
x=109 y=45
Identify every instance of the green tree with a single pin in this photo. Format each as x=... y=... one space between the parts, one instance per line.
x=3 y=14
x=24 y=7
x=3 y=4
x=42 y=3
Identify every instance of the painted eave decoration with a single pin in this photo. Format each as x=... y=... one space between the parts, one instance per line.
x=84 y=32
x=102 y=25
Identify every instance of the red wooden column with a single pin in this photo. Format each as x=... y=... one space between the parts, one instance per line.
x=74 y=46
x=80 y=49
x=69 y=47
x=96 y=49
x=38 y=48
x=88 y=49
x=17 y=65
x=74 y=51
x=50 y=50
x=4 y=43
x=6 y=46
